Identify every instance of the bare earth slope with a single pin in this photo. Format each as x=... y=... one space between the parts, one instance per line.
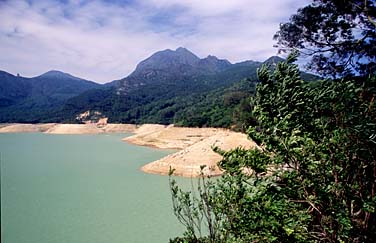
x=169 y=137
x=54 y=128
x=13 y=128
x=74 y=129
x=196 y=145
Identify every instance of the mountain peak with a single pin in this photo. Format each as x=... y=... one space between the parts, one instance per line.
x=185 y=52
x=55 y=73
x=165 y=60
x=212 y=57
x=273 y=60
x=213 y=64
x=182 y=49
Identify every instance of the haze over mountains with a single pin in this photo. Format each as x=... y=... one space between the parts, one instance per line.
x=160 y=90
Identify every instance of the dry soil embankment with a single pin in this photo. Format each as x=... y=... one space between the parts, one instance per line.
x=54 y=128
x=196 y=148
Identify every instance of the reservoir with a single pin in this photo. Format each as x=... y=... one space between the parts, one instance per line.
x=82 y=188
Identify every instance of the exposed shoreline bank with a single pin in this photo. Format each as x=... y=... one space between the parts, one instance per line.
x=194 y=145
x=56 y=128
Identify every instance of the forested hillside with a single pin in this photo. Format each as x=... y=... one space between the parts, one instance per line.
x=165 y=88
x=177 y=87
x=172 y=87
x=33 y=99
x=169 y=87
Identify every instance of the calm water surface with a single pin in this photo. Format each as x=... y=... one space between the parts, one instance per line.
x=81 y=188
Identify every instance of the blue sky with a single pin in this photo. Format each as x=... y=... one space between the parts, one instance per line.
x=104 y=40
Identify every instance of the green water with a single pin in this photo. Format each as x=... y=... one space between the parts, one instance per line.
x=81 y=188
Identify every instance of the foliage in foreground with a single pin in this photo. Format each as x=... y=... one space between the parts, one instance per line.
x=314 y=180
x=337 y=36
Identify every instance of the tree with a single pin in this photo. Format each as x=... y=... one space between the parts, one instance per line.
x=314 y=180
x=337 y=36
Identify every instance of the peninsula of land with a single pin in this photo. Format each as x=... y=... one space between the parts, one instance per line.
x=195 y=148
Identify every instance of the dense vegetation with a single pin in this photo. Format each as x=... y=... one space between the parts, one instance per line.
x=213 y=99
x=168 y=87
x=193 y=100
x=337 y=36
x=313 y=179
x=35 y=99
x=216 y=108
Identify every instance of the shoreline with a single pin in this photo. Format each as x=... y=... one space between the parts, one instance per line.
x=59 y=128
x=194 y=145
x=195 y=148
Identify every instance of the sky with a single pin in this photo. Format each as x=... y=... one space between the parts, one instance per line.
x=103 y=40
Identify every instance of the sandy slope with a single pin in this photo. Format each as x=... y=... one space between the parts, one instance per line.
x=54 y=128
x=118 y=128
x=196 y=145
x=13 y=128
x=74 y=129
x=169 y=137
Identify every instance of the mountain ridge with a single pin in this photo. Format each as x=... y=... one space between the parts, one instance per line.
x=169 y=66
x=161 y=89
x=209 y=58
x=20 y=97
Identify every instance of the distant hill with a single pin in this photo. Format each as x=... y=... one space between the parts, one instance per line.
x=58 y=86
x=21 y=98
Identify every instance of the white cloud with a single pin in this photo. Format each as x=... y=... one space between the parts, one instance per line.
x=102 y=41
